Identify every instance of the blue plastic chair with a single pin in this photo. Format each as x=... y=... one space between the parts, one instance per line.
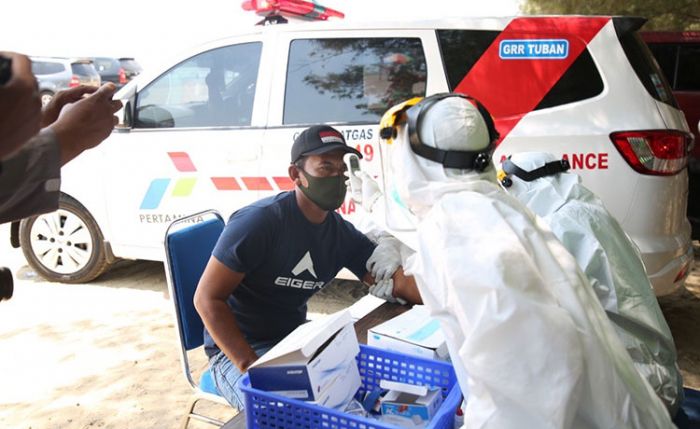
x=688 y=416
x=189 y=242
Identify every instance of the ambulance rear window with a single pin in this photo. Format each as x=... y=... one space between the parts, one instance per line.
x=646 y=68
x=461 y=49
x=580 y=81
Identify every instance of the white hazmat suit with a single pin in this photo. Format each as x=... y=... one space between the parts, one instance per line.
x=531 y=345
x=612 y=263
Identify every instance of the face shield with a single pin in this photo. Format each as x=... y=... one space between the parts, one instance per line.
x=398 y=216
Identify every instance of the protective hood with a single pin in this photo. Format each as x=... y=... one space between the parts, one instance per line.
x=530 y=343
x=613 y=265
x=412 y=183
x=546 y=194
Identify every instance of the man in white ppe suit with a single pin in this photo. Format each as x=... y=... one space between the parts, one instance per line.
x=531 y=346
x=607 y=256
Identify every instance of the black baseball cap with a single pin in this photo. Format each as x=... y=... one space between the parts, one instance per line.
x=320 y=139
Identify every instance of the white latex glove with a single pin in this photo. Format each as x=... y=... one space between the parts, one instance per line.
x=384 y=289
x=364 y=190
x=385 y=259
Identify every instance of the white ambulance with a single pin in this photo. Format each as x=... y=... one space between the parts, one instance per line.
x=214 y=128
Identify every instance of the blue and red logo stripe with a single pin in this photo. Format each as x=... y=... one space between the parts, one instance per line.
x=183 y=187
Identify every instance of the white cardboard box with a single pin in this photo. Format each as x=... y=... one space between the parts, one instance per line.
x=413 y=332
x=409 y=406
x=316 y=362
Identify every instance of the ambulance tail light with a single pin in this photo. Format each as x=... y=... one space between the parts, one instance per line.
x=74 y=81
x=122 y=76
x=683 y=273
x=654 y=152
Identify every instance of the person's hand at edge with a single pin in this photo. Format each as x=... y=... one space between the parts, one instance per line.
x=51 y=111
x=86 y=123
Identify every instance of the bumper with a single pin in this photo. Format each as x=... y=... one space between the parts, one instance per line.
x=671 y=276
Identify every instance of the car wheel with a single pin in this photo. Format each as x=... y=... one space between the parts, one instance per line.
x=64 y=246
x=46 y=97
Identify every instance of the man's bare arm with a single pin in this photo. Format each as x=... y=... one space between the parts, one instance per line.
x=405 y=287
x=213 y=290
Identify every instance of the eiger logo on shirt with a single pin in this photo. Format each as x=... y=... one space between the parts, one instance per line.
x=304 y=264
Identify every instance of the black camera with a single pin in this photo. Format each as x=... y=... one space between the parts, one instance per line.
x=6 y=284
x=5 y=69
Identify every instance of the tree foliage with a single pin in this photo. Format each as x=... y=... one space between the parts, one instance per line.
x=671 y=15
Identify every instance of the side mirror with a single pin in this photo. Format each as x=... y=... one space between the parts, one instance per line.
x=155 y=117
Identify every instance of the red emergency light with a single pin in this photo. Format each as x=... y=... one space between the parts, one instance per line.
x=291 y=8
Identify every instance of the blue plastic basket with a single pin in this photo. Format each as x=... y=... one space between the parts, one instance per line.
x=266 y=410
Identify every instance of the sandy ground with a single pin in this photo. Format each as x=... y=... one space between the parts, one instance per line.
x=105 y=355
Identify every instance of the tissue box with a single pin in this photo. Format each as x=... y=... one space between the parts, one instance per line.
x=316 y=362
x=408 y=405
x=413 y=332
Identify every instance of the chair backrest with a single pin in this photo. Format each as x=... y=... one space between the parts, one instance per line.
x=189 y=242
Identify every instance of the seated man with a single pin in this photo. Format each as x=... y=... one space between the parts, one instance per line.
x=273 y=256
x=608 y=257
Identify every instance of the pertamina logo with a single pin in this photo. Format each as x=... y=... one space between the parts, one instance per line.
x=304 y=264
x=183 y=186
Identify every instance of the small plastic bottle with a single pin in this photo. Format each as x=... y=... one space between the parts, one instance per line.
x=459 y=415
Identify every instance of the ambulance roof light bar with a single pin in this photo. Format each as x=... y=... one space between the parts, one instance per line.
x=275 y=11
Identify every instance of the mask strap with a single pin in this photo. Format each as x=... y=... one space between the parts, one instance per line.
x=549 y=169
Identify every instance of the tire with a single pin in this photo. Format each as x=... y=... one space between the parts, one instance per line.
x=46 y=97
x=64 y=246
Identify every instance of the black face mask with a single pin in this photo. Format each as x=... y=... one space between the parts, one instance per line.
x=326 y=192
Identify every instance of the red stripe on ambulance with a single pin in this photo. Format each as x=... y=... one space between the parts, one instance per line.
x=511 y=88
x=182 y=161
x=257 y=183
x=226 y=183
x=284 y=183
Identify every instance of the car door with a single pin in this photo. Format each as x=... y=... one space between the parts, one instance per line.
x=346 y=79
x=194 y=144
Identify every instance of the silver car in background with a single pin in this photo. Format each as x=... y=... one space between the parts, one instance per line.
x=54 y=74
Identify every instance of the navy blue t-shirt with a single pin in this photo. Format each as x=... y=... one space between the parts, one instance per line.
x=286 y=259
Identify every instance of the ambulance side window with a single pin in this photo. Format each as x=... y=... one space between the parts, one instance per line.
x=351 y=80
x=646 y=68
x=461 y=49
x=212 y=89
x=666 y=57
